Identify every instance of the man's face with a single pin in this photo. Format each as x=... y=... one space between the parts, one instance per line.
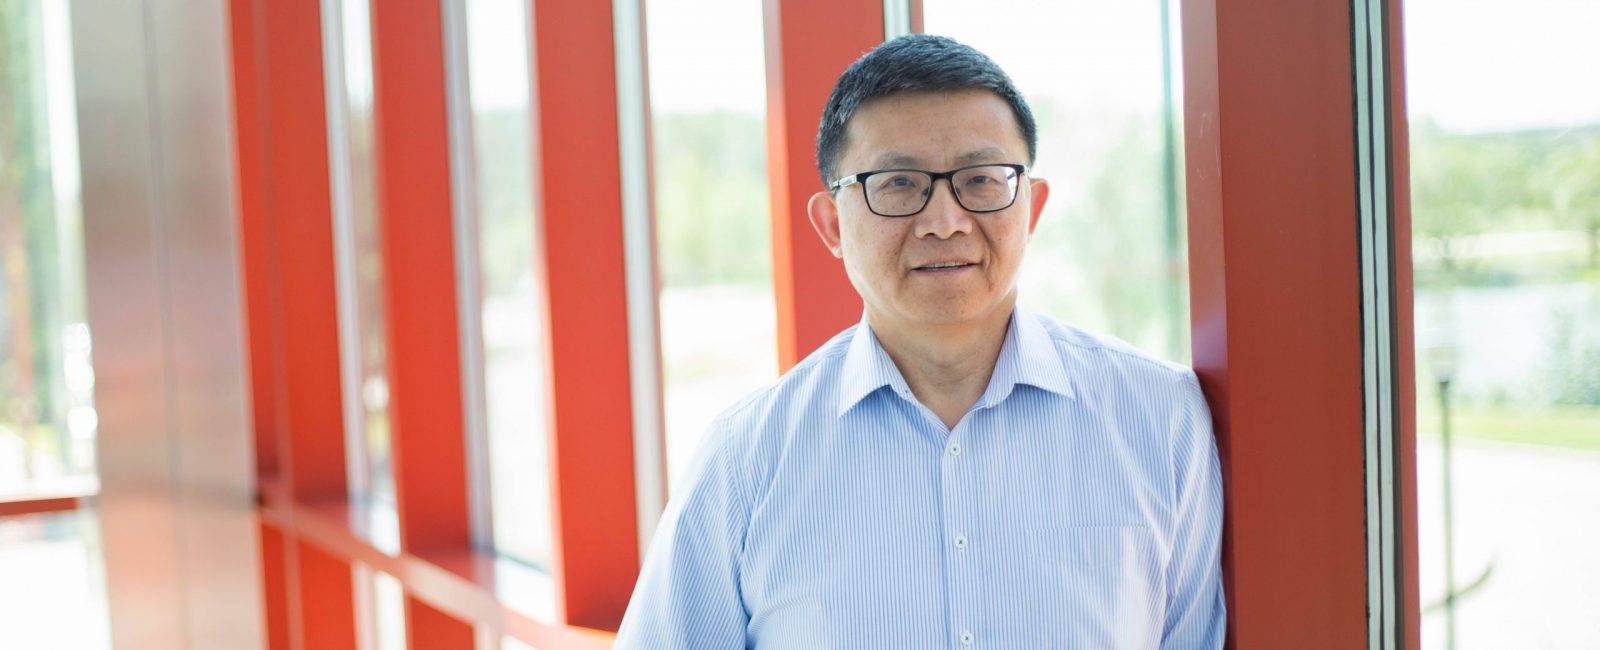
x=891 y=261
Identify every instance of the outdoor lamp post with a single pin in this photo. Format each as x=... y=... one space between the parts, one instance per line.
x=1443 y=360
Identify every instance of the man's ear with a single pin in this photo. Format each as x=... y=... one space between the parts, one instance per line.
x=825 y=218
x=1038 y=191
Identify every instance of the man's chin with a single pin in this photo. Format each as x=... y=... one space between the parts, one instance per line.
x=951 y=315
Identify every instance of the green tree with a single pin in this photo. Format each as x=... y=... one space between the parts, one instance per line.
x=1463 y=185
x=1572 y=176
x=712 y=211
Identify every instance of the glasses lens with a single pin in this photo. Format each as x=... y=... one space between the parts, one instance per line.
x=897 y=193
x=987 y=188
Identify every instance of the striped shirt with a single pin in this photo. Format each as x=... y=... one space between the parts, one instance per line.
x=1078 y=504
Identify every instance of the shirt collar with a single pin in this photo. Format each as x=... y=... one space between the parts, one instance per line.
x=867 y=367
x=1027 y=356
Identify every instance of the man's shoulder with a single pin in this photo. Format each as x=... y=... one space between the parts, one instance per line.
x=1088 y=353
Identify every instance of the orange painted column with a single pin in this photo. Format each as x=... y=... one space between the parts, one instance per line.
x=412 y=145
x=299 y=247
x=301 y=215
x=259 y=268
x=326 y=620
x=578 y=200
x=1276 y=292
x=255 y=230
x=274 y=587
x=808 y=45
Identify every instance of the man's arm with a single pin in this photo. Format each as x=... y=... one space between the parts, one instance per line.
x=688 y=590
x=1196 y=609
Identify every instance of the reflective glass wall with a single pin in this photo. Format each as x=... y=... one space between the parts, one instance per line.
x=1109 y=253
x=1505 y=178
x=503 y=325
x=708 y=131
x=53 y=593
x=358 y=258
x=47 y=416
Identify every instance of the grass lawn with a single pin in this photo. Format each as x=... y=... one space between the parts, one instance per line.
x=1568 y=427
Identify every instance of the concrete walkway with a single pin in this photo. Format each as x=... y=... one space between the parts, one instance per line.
x=1533 y=513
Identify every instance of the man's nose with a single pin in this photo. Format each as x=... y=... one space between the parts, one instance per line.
x=943 y=217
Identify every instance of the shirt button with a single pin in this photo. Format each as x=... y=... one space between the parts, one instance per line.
x=961 y=542
x=954 y=449
x=966 y=638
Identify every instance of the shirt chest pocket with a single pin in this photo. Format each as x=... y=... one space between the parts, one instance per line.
x=1099 y=586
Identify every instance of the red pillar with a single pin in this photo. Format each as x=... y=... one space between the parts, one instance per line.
x=301 y=215
x=577 y=181
x=298 y=246
x=1276 y=287
x=412 y=146
x=808 y=45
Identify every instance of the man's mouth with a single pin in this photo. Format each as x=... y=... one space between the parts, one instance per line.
x=944 y=266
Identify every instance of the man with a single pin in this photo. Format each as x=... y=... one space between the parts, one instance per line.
x=953 y=471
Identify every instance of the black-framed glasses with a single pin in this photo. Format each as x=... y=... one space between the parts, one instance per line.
x=905 y=192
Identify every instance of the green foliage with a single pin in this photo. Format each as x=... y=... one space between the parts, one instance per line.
x=1572 y=365
x=30 y=295
x=1572 y=172
x=1465 y=185
x=1116 y=237
x=1107 y=255
x=712 y=212
x=505 y=204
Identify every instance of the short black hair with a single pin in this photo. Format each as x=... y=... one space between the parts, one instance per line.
x=915 y=62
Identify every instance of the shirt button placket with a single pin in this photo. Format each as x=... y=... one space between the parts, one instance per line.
x=957 y=487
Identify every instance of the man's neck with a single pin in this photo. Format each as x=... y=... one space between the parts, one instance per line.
x=947 y=367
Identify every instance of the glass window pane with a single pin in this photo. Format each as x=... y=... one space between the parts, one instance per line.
x=512 y=407
x=47 y=416
x=708 y=126
x=1504 y=112
x=359 y=265
x=54 y=591
x=1109 y=253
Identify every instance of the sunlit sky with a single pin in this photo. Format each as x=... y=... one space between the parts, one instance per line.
x=1495 y=65
x=1473 y=65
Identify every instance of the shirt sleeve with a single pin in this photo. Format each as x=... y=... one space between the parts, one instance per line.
x=688 y=590
x=1196 y=608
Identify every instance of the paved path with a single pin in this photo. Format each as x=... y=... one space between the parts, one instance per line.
x=1534 y=513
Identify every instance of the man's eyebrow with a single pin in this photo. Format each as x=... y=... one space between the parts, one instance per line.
x=897 y=160
x=893 y=160
x=986 y=154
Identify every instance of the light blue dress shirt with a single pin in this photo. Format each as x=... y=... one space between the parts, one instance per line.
x=1078 y=504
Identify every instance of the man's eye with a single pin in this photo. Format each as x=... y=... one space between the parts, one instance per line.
x=897 y=182
x=979 y=180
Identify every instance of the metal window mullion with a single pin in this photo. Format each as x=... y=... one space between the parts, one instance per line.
x=896 y=18
x=1377 y=315
x=640 y=257
x=465 y=227
x=341 y=197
